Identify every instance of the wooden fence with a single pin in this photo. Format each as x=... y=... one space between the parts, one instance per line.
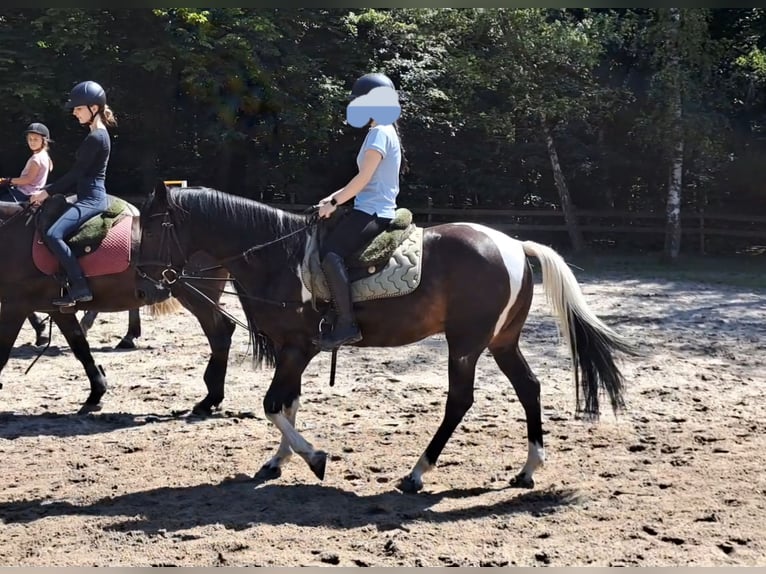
x=593 y=223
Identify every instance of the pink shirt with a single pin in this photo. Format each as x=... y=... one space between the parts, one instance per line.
x=43 y=161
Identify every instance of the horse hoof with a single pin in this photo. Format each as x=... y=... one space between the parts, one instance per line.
x=409 y=484
x=318 y=463
x=126 y=344
x=521 y=480
x=268 y=472
x=89 y=408
x=94 y=399
x=202 y=410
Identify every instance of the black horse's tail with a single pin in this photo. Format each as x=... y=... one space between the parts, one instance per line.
x=591 y=342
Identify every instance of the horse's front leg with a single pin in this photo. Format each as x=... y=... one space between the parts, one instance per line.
x=11 y=320
x=87 y=321
x=70 y=328
x=281 y=406
x=218 y=329
x=273 y=468
x=39 y=326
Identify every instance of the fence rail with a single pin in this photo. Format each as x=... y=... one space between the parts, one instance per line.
x=701 y=225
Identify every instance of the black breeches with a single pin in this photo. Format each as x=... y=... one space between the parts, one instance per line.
x=352 y=233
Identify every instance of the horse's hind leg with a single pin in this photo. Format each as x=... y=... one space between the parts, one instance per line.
x=527 y=387
x=87 y=321
x=462 y=372
x=134 y=330
x=39 y=326
x=67 y=323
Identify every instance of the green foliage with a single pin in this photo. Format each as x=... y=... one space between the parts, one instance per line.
x=253 y=100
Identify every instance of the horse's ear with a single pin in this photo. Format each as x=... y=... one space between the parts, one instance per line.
x=160 y=191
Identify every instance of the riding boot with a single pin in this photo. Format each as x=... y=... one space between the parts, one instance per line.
x=345 y=330
x=78 y=291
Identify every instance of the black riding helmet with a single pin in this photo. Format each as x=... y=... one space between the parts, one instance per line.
x=86 y=94
x=364 y=84
x=39 y=129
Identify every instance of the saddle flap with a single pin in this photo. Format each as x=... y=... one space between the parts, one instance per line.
x=399 y=275
x=104 y=245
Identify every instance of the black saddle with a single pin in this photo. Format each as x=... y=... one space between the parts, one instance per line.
x=376 y=253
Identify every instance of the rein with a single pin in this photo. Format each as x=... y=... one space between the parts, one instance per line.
x=171 y=275
x=27 y=209
x=311 y=223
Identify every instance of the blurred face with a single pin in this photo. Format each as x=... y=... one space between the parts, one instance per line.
x=35 y=141
x=83 y=113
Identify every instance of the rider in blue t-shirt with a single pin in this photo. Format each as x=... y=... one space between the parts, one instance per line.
x=374 y=190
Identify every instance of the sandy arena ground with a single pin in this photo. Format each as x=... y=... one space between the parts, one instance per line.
x=677 y=480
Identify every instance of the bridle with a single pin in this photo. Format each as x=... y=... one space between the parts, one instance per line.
x=172 y=273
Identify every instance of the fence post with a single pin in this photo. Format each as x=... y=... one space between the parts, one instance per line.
x=430 y=204
x=702 y=231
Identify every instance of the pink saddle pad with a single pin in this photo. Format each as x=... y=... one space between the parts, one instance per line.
x=112 y=256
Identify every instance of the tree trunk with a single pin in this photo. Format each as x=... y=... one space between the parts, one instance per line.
x=578 y=244
x=673 y=208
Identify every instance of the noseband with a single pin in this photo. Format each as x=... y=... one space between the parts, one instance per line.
x=170 y=272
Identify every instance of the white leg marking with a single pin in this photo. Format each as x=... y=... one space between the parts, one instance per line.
x=292 y=437
x=421 y=467
x=514 y=258
x=285 y=452
x=535 y=459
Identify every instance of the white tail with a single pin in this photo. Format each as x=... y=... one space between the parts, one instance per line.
x=590 y=341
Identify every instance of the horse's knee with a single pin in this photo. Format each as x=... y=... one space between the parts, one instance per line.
x=272 y=403
x=276 y=400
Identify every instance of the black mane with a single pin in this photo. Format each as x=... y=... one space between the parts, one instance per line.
x=241 y=222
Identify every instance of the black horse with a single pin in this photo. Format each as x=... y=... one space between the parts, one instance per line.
x=25 y=289
x=476 y=288
x=199 y=260
x=127 y=342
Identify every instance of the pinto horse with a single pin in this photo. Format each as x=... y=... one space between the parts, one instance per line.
x=476 y=288
x=24 y=289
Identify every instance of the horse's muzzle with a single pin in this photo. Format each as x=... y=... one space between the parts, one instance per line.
x=151 y=292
